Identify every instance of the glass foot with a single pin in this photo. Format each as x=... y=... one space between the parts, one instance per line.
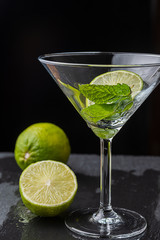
x=123 y=224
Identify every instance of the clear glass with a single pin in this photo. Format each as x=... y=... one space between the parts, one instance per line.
x=70 y=71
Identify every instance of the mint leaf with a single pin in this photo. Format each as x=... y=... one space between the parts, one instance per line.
x=104 y=133
x=97 y=112
x=102 y=94
x=110 y=101
x=125 y=105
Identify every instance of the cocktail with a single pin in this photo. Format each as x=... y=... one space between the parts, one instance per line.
x=106 y=89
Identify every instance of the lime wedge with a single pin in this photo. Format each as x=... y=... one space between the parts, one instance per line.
x=73 y=95
x=133 y=80
x=47 y=188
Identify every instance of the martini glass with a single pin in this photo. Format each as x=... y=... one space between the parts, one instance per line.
x=73 y=70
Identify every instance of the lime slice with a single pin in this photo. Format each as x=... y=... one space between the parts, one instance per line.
x=133 y=80
x=47 y=188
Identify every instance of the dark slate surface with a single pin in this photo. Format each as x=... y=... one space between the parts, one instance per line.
x=135 y=185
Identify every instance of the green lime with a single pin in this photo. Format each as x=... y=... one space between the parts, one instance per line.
x=47 y=188
x=41 y=141
x=133 y=80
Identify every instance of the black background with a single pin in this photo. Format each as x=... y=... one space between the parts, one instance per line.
x=28 y=93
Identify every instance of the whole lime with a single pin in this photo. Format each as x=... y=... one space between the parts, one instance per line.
x=41 y=141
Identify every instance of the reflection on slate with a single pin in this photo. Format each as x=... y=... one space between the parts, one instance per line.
x=135 y=185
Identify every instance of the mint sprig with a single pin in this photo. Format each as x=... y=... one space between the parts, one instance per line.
x=105 y=93
x=110 y=101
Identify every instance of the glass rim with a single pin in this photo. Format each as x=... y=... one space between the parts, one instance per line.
x=42 y=59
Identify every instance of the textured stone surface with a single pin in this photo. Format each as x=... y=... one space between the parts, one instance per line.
x=135 y=185
x=89 y=164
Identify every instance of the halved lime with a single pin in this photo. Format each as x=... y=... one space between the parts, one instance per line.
x=47 y=188
x=133 y=80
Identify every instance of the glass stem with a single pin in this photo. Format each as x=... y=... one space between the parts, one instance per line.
x=105 y=175
x=105 y=213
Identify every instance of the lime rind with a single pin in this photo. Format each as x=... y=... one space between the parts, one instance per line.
x=73 y=95
x=41 y=141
